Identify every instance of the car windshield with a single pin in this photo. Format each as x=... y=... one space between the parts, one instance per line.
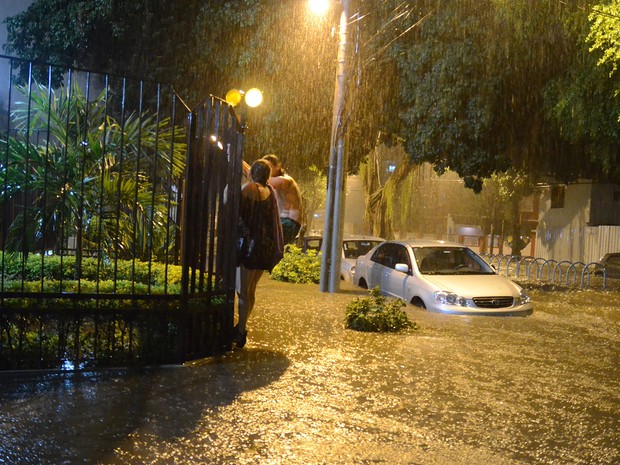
x=450 y=260
x=354 y=248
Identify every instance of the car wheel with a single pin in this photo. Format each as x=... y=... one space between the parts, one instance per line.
x=418 y=302
x=363 y=284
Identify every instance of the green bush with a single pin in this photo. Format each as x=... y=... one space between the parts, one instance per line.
x=56 y=268
x=377 y=314
x=298 y=267
x=53 y=274
x=88 y=287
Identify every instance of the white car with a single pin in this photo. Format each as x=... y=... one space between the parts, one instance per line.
x=353 y=246
x=442 y=277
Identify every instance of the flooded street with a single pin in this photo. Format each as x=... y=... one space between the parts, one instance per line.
x=543 y=389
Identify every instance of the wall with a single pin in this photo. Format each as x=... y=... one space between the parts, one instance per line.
x=564 y=234
x=605 y=205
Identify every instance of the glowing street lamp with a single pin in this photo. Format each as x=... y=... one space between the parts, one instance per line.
x=319 y=7
x=331 y=248
x=253 y=97
x=234 y=97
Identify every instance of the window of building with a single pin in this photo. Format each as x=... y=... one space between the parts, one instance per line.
x=557 y=196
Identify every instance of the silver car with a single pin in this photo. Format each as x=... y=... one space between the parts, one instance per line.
x=353 y=246
x=442 y=277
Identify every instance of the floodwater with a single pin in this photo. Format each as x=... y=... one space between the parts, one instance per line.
x=542 y=389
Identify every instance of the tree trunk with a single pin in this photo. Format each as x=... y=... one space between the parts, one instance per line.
x=515 y=226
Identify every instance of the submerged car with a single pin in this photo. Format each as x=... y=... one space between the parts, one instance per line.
x=353 y=246
x=440 y=276
x=611 y=263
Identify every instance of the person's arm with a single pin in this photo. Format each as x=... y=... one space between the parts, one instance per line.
x=246 y=169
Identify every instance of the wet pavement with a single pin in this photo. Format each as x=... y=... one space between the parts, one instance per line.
x=544 y=389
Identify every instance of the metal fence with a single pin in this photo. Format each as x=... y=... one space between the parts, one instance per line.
x=563 y=272
x=119 y=209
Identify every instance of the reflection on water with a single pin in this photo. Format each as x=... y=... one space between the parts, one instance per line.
x=462 y=390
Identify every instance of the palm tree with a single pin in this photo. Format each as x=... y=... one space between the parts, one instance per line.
x=103 y=183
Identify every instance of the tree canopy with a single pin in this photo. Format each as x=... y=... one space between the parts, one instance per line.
x=489 y=85
x=604 y=36
x=474 y=86
x=202 y=48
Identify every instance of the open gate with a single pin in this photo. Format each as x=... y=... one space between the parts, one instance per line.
x=210 y=220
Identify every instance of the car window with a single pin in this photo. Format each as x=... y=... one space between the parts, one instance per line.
x=357 y=248
x=450 y=260
x=391 y=254
x=382 y=255
x=313 y=244
x=401 y=256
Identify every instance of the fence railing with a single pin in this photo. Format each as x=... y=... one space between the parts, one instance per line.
x=564 y=272
x=115 y=234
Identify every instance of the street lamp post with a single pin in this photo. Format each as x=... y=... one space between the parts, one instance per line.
x=331 y=248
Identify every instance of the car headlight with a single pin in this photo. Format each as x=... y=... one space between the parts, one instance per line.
x=524 y=298
x=450 y=298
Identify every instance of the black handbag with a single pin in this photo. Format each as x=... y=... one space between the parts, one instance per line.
x=245 y=244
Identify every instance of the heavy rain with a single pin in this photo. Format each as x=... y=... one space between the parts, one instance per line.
x=540 y=389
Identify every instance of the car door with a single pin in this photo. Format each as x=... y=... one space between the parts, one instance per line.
x=376 y=267
x=394 y=282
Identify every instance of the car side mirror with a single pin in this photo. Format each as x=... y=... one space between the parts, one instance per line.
x=402 y=267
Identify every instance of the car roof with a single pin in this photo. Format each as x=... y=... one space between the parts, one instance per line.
x=350 y=237
x=610 y=254
x=427 y=243
x=361 y=237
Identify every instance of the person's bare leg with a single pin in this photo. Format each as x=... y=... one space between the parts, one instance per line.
x=248 y=279
x=252 y=290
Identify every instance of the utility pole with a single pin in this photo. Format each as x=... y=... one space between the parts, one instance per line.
x=331 y=249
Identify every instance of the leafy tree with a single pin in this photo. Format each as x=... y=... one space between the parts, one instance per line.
x=201 y=48
x=414 y=199
x=604 y=35
x=583 y=106
x=481 y=96
x=513 y=187
x=473 y=81
x=204 y=48
x=478 y=87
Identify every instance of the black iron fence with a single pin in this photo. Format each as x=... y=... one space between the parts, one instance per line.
x=118 y=225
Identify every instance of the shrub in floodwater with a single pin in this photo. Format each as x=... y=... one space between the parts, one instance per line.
x=377 y=314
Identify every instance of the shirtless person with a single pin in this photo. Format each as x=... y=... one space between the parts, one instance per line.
x=289 y=199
